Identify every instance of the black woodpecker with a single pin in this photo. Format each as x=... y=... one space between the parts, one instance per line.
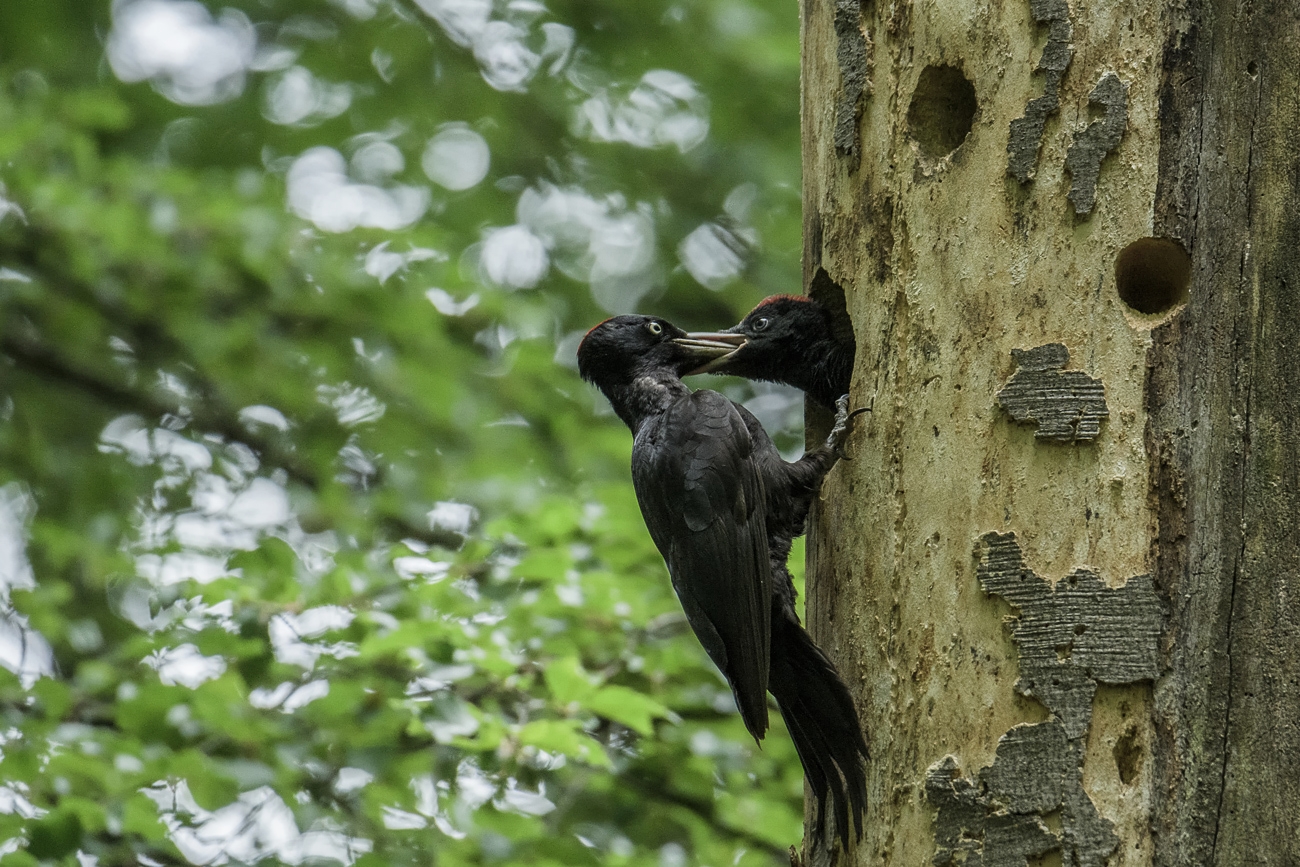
x=788 y=339
x=723 y=509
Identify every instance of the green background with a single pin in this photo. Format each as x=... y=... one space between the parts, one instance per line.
x=234 y=634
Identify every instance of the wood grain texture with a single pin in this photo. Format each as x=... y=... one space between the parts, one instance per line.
x=1066 y=405
x=1223 y=399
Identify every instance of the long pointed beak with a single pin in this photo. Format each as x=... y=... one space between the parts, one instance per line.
x=711 y=348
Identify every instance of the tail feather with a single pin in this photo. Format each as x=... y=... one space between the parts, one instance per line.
x=823 y=724
x=813 y=751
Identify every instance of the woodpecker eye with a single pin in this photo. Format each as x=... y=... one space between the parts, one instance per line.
x=761 y=323
x=654 y=327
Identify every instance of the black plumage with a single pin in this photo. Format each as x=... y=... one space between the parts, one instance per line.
x=788 y=339
x=723 y=508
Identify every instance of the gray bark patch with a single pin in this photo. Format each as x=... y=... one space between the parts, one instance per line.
x=972 y=828
x=969 y=831
x=1030 y=770
x=1067 y=405
x=1087 y=838
x=1027 y=131
x=1070 y=637
x=852 y=54
x=1074 y=635
x=999 y=822
x=1083 y=159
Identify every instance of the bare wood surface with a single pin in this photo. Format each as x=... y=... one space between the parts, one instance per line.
x=1224 y=402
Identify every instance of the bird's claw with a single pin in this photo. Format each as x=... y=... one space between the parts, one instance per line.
x=843 y=423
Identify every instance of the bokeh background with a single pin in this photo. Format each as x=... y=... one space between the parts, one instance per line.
x=313 y=546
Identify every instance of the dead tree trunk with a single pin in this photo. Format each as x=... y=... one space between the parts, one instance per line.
x=1062 y=572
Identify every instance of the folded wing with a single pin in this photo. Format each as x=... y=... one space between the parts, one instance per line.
x=703 y=501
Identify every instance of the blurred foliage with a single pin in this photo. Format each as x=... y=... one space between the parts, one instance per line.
x=313 y=547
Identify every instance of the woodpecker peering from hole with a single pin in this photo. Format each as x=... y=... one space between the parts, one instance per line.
x=788 y=339
x=723 y=509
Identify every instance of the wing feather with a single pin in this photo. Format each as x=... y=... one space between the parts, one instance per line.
x=703 y=500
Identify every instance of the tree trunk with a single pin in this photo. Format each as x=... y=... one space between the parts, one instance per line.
x=1062 y=572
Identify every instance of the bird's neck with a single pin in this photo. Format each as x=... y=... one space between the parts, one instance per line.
x=834 y=372
x=824 y=376
x=647 y=395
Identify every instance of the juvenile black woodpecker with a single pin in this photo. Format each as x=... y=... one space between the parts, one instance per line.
x=789 y=339
x=723 y=508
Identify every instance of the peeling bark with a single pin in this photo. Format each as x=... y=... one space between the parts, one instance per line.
x=1073 y=635
x=1090 y=147
x=853 y=54
x=1027 y=131
x=1066 y=405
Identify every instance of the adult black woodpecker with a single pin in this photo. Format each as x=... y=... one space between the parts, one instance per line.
x=723 y=508
x=789 y=339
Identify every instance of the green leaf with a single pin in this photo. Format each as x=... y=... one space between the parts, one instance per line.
x=568 y=682
x=53 y=697
x=90 y=814
x=545 y=564
x=54 y=835
x=211 y=788
x=635 y=710
x=140 y=816
x=566 y=738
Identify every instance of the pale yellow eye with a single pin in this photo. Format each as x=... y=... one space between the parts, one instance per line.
x=654 y=327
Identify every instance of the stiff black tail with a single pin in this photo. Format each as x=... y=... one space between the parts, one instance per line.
x=823 y=724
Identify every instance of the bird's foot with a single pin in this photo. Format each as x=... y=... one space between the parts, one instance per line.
x=843 y=425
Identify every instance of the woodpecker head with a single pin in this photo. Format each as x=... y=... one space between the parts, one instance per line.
x=781 y=334
x=620 y=350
